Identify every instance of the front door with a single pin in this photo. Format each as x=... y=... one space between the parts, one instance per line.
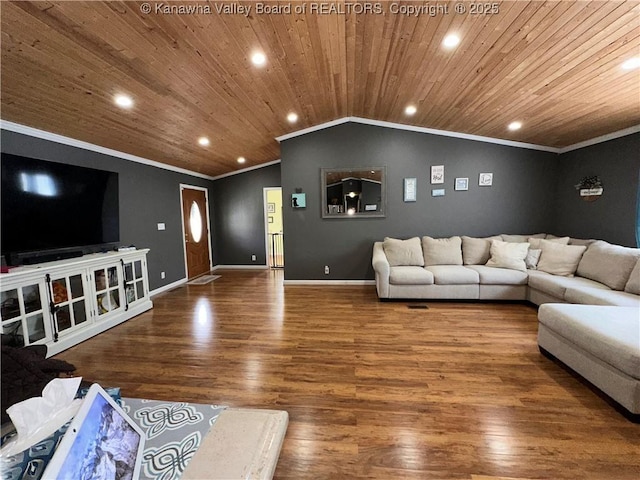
x=196 y=231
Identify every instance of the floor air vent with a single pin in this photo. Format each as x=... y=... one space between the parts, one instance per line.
x=418 y=307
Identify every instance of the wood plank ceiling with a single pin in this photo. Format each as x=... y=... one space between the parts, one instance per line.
x=553 y=65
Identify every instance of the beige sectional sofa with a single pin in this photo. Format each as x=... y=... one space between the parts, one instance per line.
x=562 y=270
x=590 y=289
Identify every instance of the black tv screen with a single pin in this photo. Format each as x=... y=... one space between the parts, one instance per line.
x=48 y=206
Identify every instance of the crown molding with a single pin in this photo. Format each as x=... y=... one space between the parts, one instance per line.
x=72 y=142
x=603 y=138
x=466 y=136
x=412 y=128
x=245 y=170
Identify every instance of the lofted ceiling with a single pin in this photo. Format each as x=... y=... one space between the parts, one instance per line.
x=553 y=65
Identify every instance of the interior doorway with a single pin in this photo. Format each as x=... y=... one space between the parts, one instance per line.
x=274 y=227
x=195 y=229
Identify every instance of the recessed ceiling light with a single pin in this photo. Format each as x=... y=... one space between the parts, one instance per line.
x=241 y=159
x=258 y=59
x=451 y=41
x=123 y=101
x=292 y=117
x=631 y=63
x=410 y=110
x=515 y=126
x=204 y=141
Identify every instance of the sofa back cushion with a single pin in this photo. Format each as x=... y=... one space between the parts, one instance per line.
x=442 y=251
x=633 y=285
x=608 y=264
x=560 y=259
x=520 y=238
x=508 y=255
x=403 y=252
x=535 y=242
x=581 y=241
x=475 y=251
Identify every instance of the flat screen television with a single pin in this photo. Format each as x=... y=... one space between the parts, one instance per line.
x=49 y=207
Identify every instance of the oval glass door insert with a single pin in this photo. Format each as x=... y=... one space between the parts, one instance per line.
x=195 y=222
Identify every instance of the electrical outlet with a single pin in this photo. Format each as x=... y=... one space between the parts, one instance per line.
x=326 y=269
x=253 y=258
x=162 y=275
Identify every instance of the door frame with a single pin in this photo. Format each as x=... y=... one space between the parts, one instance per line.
x=266 y=221
x=184 y=244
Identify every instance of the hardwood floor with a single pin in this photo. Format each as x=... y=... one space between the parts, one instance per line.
x=374 y=390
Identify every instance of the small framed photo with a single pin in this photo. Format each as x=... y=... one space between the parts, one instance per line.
x=437 y=192
x=270 y=219
x=485 y=179
x=271 y=208
x=462 y=184
x=410 y=187
x=437 y=174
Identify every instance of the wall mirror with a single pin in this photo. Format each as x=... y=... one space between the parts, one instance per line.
x=353 y=192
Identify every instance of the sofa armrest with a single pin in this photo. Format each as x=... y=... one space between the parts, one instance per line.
x=381 y=269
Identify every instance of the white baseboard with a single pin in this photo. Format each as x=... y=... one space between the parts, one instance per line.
x=240 y=267
x=168 y=286
x=329 y=282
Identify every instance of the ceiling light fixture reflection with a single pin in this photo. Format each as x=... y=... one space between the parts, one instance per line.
x=258 y=59
x=204 y=141
x=410 y=110
x=451 y=41
x=292 y=117
x=123 y=101
x=241 y=159
x=515 y=126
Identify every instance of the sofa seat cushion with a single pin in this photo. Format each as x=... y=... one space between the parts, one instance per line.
x=499 y=276
x=410 y=276
x=599 y=296
x=611 y=334
x=453 y=275
x=557 y=286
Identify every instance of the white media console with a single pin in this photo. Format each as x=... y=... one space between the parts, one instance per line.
x=62 y=303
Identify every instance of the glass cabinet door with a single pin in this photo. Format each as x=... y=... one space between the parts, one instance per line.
x=68 y=294
x=133 y=281
x=23 y=312
x=107 y=284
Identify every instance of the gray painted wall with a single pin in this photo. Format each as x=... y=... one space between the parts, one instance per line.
x=238 y=216
x=613 y=216
x=520 y=200
x=532 y=192
x=148 y=196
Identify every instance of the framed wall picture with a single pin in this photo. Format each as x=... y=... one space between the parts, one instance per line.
x=437 y=192
x=410 y=187
x=437 y=173
x=462 y=184
x=299 y=200
x=271 y=208
x=485 y=179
